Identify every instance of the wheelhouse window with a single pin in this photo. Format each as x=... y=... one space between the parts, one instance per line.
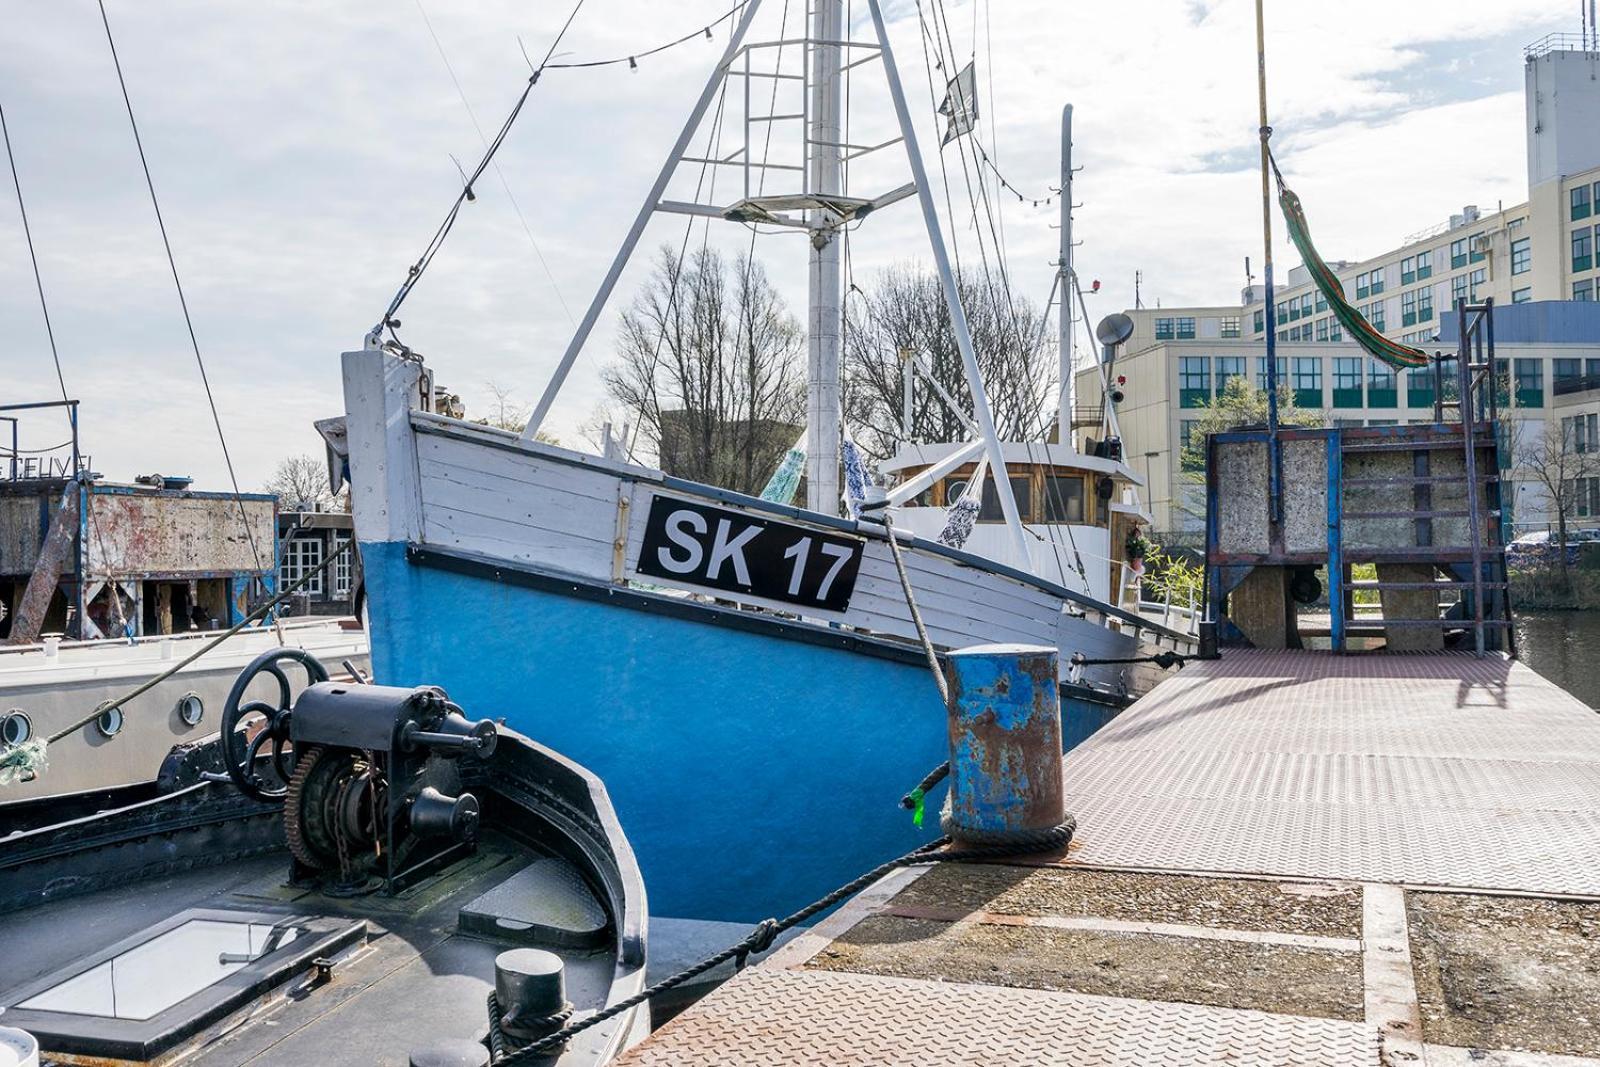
x=1063 y=498
x=1021 y=488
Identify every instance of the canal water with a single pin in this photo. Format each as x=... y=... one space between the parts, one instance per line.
x=1564 y=646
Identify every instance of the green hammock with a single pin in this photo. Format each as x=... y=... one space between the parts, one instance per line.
x=1391 y=352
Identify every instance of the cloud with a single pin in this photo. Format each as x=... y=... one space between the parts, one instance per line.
x=303 y=156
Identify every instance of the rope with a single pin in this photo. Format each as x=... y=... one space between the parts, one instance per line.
x=632 y=59
x=416 y=270
x=1164 y=660
x=254 y=616
x=177 y=282
x=766 y=932
x=27 y=233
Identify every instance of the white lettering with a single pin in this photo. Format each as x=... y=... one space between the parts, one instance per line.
x=678 y=535
x=840 y=554
x=800 y=551
x=723 y=551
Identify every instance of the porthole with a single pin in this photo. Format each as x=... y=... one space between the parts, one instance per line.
x=109 y=722
x=191 y=709
x=15 y=728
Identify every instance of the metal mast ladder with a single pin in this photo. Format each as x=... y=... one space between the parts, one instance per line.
x=1477 y=569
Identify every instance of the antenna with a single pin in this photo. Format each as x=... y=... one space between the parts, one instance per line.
x=1138 y=282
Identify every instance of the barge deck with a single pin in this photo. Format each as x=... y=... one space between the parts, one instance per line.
x=1282 y=858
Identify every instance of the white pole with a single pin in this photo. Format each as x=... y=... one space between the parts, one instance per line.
x=1064 y=321
x=824 y=177
x=908 y=371
x=629 y=242
x=958 y=315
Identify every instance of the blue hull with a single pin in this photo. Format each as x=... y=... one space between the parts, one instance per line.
x=754 y=766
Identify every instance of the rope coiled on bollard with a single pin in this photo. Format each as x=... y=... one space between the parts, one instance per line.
x=1018 y=843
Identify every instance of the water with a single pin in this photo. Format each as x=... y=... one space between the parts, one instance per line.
x=1564 y=646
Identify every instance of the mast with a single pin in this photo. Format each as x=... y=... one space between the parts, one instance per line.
x=1274 y=466
x=824 y=178
x=1064 y=283
x=952 y=298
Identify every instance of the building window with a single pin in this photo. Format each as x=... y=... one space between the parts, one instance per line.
x=1335 y=331
x=1363 y=285
x=1322 y=329
x=1194 y=381
x=1261 y=372
x=1530 y=382
x=1063 y=498
x=1228 y=367
x=1380 y=384
x=1191 y=454
x=1458 y=253
x=1261 y=321
x=1374 y=314
x=1347 y=381
x=1424 y=265
x=1283 y=335
x=1479 y=277
x=341 y=567
x=302 y=556
x=1283 y=311
x=1581 y=434
x=1408 y=308
x=1580 y=202
x=1305 y=306
x=1419 y=387
x=1565 y=370
x=1583 y=290
x=1230 y=326
x=1521 y=296
x=1458 y=290
x=1185 y=328
x=1475 y=245
x=1425 y=304
x=1308 y=381
x=1521 y=255
x=1408 y=270
x=1377 y=280
x=1322 y=300
x=1582 y=249
x=1163 y=329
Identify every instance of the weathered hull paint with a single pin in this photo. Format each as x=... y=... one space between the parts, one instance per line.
x=752 y=773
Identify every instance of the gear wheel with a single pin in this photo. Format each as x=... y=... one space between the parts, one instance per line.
x=293 y=808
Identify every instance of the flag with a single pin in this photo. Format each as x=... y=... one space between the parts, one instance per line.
x=960 y=105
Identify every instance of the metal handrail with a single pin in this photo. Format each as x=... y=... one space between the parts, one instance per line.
x=1560 y=42
x=1567 y=386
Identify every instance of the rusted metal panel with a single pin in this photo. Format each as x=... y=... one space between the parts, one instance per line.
x=138 y=533
x=21 y=531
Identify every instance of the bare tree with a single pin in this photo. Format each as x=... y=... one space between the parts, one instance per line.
x=708 y=367
x=506 y=414
x=1560 y=460
x=905 y=309
x=301 y=483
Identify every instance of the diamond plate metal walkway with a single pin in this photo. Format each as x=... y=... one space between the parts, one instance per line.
x=1281 y=860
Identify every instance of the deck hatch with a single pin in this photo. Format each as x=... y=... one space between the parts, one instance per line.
x=145 y=994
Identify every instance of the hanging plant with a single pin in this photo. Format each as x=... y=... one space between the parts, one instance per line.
x=1136 y=548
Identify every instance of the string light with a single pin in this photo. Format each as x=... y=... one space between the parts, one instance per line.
x=633 y=60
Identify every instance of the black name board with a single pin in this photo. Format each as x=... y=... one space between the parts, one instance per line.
x=698 y=544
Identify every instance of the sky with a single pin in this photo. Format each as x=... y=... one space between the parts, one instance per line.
x=303 y=153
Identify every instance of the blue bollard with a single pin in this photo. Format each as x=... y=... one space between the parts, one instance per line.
x=1005 y=744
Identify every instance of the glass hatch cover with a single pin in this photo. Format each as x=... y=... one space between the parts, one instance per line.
x=151 y=977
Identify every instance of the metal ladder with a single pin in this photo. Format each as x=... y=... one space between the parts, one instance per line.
x=1477 y=410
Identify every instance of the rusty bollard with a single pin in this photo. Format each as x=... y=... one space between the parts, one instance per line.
x=1005 y=744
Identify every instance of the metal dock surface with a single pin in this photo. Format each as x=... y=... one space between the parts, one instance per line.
x=1283 y=858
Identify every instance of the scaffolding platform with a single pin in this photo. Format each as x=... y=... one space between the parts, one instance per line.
x=1283 y=858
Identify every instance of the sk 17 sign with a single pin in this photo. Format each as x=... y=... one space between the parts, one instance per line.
x=697 y=544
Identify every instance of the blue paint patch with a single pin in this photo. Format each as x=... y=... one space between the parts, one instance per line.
x=752 y=773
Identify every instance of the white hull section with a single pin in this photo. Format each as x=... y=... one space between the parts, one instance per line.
x=57 y=685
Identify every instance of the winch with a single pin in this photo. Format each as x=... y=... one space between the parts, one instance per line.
x=369 y=773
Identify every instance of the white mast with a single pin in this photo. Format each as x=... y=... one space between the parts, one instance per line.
x=1064 y=284
x=824 y=178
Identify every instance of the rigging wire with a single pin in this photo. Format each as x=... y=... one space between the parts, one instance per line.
x=632 y=58
x=183 y=302
x=417 y=269
x=476 y=125
x=33 y=258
